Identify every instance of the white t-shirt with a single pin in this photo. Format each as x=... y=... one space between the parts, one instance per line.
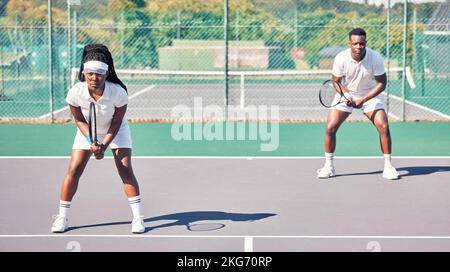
x=358 y=76
x=114 y=96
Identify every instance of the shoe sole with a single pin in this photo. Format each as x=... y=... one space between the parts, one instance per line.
x=391 y=178
x=330 y=176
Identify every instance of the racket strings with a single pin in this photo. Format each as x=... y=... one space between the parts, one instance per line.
x=327 y=94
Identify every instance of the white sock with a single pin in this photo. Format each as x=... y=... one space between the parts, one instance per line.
x=135 y=203
x=387 y=160
x=64 y=207
x=329 y=159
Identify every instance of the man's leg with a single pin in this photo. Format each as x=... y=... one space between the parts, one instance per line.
x=334 y=120
x=380 y=120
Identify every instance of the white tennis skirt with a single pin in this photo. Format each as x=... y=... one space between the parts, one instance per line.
x=122 y=139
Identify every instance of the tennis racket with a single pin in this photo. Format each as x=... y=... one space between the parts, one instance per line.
x=93 y=128
x=328 y=91
x=92 y=124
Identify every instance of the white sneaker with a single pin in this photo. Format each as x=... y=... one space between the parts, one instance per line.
x=60 y=224
x=390 y=172
x=327 y=171
x=137 y=226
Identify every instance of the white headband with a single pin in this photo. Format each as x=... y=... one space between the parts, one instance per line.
x=95 y=67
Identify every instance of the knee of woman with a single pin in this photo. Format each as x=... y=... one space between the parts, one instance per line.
x=331 y=130
x=75 y=172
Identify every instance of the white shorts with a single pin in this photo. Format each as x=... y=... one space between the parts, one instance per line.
x=122 y=139
x=370 y=106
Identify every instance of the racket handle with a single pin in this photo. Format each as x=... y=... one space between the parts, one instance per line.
x=100 y=156
x=88 y=139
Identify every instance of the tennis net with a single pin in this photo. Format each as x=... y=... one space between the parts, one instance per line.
x=157 y=95
x=154 y=94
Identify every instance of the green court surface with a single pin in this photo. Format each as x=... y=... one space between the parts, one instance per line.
x=288 y=139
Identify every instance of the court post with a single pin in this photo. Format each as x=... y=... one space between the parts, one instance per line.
x=2 y=71
x=69 y=43
x=16 y=51
x=405 y=24
x=50 y=58
x=225 y=25
x=388 y=36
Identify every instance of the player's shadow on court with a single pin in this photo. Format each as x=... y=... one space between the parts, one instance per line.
x=189 y=219
x=421 y=170
x=405 y=171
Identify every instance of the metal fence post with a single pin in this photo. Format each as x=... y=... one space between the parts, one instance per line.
x=226 y=54
x=74 y=45
x=388 y=51
x=69 y=42
x=50 y=58
x=405 y=24
x=122 y=39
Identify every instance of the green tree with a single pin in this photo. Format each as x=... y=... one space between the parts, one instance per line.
x=36 y=11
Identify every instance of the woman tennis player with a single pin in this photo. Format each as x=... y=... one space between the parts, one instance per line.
x=99 y=84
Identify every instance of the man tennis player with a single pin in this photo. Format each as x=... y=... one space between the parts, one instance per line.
x=355 y=68
x=100 y=85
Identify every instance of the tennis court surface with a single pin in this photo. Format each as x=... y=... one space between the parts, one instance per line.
x=231 y=204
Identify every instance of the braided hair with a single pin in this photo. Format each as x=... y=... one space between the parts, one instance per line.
x=99 y=52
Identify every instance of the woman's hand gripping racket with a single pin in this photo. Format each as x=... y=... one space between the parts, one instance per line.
x=328 y=91
x=93 y=131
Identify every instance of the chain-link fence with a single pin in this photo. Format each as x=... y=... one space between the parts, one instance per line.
x=172 y=53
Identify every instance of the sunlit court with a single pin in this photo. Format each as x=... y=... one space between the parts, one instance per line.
x=224 y=126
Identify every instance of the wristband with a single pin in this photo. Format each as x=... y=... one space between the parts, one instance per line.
x=88 y=139
x=103 y=147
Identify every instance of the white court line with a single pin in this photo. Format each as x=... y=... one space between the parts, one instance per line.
x=238 y=157
x=248 y=244
x=419 y=106
x=141 y=92
x=225 y=236
x=428 y=97
x=54 y=112
x=129 y=98
x=393 y=115
x=389 y=112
